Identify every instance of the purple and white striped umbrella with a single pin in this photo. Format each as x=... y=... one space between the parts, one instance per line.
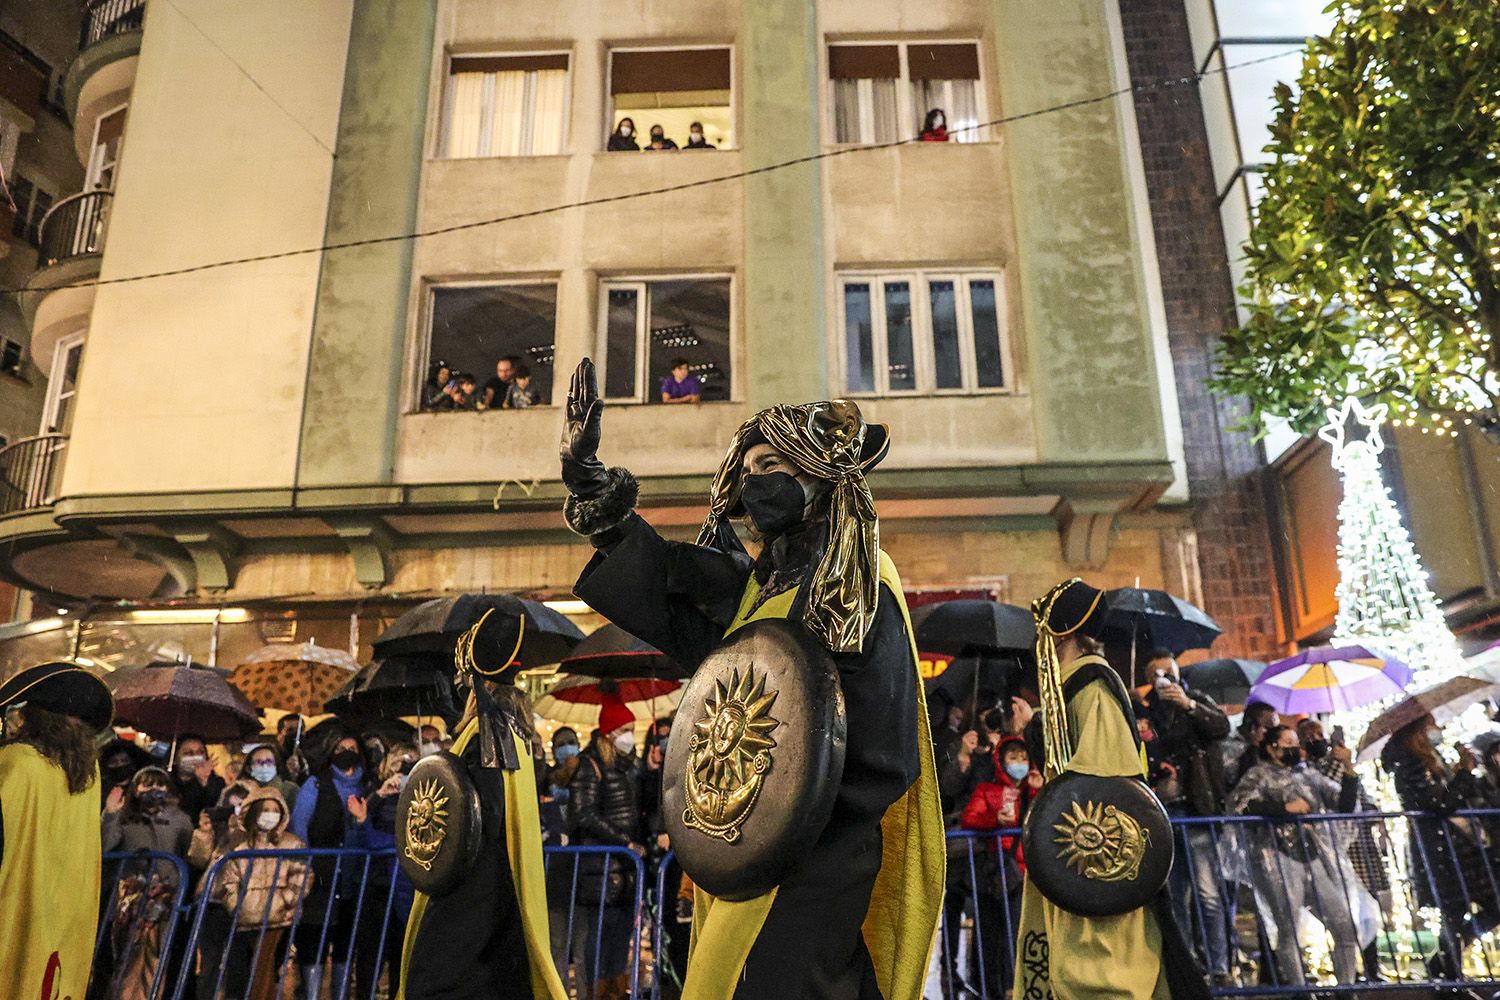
x=1330 y=679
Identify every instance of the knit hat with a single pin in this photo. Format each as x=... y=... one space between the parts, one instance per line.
x=614 y=715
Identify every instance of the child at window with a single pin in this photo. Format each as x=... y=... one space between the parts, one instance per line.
x=935 y=128
x=520 y=394
x=681 y=386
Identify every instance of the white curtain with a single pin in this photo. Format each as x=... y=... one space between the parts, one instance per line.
x=846 y=110
x=508 y=136
x=547 y=111
x=883 y=104
x=465 y=114
x=964 y=114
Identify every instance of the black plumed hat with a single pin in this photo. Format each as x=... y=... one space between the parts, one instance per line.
x=1072 y=608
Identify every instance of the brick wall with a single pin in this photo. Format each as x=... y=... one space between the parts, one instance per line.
x=1225 y=467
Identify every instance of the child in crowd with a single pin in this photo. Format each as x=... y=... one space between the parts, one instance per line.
x=520 y=395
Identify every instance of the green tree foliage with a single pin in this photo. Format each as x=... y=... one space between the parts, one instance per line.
x=1374 y=261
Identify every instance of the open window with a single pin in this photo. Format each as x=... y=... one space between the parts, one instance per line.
x=644 y=326
x=474 y=327
x=923 y=333
x=104 y=154
x=883 y=91
x=673 y=88
x=505 y=105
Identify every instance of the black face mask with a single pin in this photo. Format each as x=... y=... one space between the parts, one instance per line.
x=1316 y=749
x=152 y=799
x=774 y=501
x=1290 y=756
x=347 y=760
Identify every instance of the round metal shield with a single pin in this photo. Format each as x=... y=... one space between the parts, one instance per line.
x=755 y=759
x=438 y=824
x=1096 y=846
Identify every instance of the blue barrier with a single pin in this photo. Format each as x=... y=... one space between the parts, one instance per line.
x=609 y=916
x=142 y=894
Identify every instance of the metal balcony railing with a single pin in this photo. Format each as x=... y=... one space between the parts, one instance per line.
x=75 y=226
x=29 y=472
x=105 y=18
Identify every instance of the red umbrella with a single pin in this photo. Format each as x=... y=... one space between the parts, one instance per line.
x=169 y=699
x=577 y=700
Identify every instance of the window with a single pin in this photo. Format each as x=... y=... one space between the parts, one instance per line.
x=10 y=357
x=646 y=325
x=63 y=385
x=505 y=105
x=673 y=88
x=32 y=204
x=883 y=92
x=109 y=134
x=474 y=327
x=918 y=333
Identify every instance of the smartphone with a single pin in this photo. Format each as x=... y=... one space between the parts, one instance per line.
x=1337 y=737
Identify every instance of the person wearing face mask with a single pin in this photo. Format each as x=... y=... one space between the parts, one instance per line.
x=118 y=762
x=696 y=139
x=198 y=786
x=659 y=140
x=622 y=139
x=431 y=741
x=859 y=910
x=145 y=818
x=375 y=830
x=219 y=831
x=323 y=817
x=264 y=769
x=255 y=893
x=934 y=127
x=1448 y=865
x=1295 y=865
x=1240 y=751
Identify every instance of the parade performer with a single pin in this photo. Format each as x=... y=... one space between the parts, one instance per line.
x=478 y=925
x=49 y=829
x=855 y=916
x=1086 y=727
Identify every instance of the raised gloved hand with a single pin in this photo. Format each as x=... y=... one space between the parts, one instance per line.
x=582 y=472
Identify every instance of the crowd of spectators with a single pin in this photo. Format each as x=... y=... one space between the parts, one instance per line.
x=625 y=139
x=510 y=388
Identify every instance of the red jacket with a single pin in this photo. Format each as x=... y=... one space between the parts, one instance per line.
x=999 y=804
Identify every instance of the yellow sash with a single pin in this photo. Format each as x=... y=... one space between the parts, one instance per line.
x=523 y=844
x=900 y=926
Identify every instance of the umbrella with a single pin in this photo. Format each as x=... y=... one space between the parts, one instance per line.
x=1159 y=619
x=169 y=699
x=1225 y=681
x=434 y=627
x=400 y=685
x=610 y=651
x=968 y=675
x=294 y=678
x=1445 y=701
x=959 y=627
x=575 y=701
x=1330 y=679
x=319 y=739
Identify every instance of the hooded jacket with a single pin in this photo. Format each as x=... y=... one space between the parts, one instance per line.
x=274 y=884
x=999 y=803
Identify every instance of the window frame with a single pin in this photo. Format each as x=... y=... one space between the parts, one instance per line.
x=60 y=351
x=424 y=354
x=95 y=165
x=26 y=206
x=641 y=284
x=445 y=118
x=924 y=354
x=904 y=109
x=609 y=98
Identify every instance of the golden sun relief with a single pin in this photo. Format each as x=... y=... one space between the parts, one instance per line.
x=729 y=755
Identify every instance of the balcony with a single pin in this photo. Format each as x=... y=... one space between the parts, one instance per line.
x=75 y=227
x=29 y=473
x=106 y=18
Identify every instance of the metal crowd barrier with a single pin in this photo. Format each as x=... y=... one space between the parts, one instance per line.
x=1298 y=904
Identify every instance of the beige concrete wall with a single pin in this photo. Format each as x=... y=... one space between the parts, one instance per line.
x=196 y=382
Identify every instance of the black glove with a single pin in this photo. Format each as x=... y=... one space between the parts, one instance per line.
x=582 y=472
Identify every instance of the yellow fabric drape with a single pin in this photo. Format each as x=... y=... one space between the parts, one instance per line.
x=1090 y=958
x=49 y=878
x=900 y=926
x=523 y=843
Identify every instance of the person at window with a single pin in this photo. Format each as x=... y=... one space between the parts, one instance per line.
x=498 y=385
x=198 y=786
x=521 y=393
x=622 y=139
x=681 y=386
x=659 y=140
x=695 y=138
x=1294 y=864
x=434 y=391
x=935 y=127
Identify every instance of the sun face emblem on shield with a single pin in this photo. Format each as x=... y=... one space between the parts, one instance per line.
x=426 y=824
x=729 y=755
x=1101 y=842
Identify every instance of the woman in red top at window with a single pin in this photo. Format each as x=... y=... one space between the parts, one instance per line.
x=935 y=128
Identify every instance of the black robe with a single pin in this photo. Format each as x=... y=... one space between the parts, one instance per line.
x=680 y=598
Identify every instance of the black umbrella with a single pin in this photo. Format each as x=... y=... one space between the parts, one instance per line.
x=1151 y=618
x=963 y=679
x=960 y=627
x=610 y=651
x=319 y=740
x=1226 y=681
x=434 y=627
x=401 y=685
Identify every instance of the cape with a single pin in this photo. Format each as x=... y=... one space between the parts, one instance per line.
x=49 y=878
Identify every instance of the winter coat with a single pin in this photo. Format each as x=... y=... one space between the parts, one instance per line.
x=321 y=819
x=1446 y=856
x=1186 y=739
x=167 y=831
x=605 y=807
x=276 y=885
x=378 y=833
x=999 y=804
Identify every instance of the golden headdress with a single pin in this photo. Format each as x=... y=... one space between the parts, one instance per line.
x=1072 y=607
